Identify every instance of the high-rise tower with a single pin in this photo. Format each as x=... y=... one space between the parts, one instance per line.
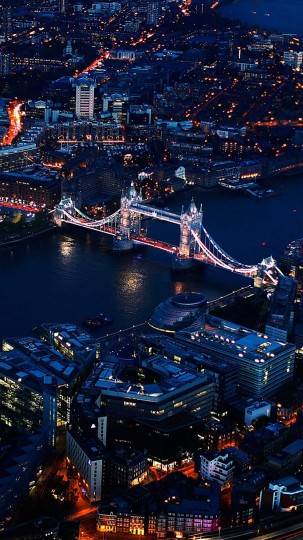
x=85 y=97
x=62 y=6
x=5 y=20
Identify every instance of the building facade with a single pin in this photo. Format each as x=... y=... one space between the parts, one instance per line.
x=85 y=98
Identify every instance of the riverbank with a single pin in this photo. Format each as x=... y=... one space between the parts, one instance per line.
x=24 y=237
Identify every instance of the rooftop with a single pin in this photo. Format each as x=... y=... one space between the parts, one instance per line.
x=114 y=376
x=238 y=340
x=31 y=360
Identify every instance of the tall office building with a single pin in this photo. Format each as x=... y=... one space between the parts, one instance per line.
x=293 y=59
x=153 y=12
x=5 y=20
x=62 y=6
x=88 y=456
x=264 y=365
x=5 y=64
x=116 y=105
x=85 y=97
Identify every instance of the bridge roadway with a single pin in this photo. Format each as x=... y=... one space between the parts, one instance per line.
x=139 y=240
x=158 y=244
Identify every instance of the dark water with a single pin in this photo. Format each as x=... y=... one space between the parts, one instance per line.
x=71 y=276
x=282 y=15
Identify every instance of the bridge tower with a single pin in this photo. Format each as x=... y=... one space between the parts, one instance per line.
x=191 y=220
x=65 y=205
x=267 y=272
x=130 y=223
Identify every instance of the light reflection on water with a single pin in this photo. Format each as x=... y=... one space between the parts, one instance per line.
x=71 y=276
x=66 y=247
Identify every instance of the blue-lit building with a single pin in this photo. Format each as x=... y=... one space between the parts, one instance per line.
x=71 y=341
x=178 y=312
x=223 y=374
x=264 y=365
x=165 y=390
x=151 y=404
x=37 y=383
x=280 y=319
x=20 y=461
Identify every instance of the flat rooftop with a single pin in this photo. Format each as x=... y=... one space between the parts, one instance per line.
x=29 y=359
x=111 y=377
x=238 y=340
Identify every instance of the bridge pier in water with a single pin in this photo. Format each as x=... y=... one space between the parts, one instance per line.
x=130 y=223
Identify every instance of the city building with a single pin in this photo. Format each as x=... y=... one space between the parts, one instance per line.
x=72 y=341
x=125 y=467
x=175 y=389
x=218 y=467
x=21 y=460
x=39 y=189
x=88 y=457
x=125 y=54
x=262 y=442
x=83 y=130
x=139 y=115
x=92 y=176
x=264 y=365
x=85 y=98
x=5 y=64
x=42 y=527
x=224 y=375
x=5 y=20
x=153 y=406
x=178 y=312
x=175 y=505
x=293 y=58
x=153 y=13
x=280 y=319
x=216 y=435
x=292 y=262
x=255 y=410
x=288 y=459
x=286 y=494
x=16 y=157
x=116 y=105
x=62 y=6
x=40 y=381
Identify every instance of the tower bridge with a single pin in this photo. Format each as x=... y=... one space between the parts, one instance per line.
x=195 y=244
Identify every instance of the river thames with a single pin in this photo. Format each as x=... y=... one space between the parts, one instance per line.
x=68 y=277
x=281 y=15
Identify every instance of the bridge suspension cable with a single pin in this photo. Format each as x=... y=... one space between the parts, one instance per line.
x=221 y=251
x=216 y=261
